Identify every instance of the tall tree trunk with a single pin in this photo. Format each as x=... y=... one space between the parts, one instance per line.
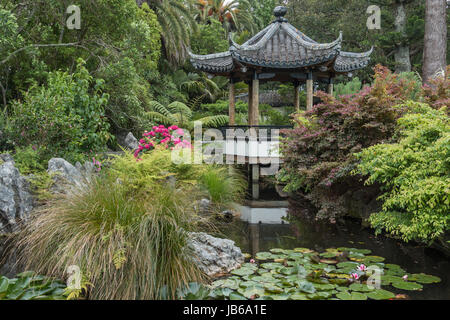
x=402 y=58
x=435 y=46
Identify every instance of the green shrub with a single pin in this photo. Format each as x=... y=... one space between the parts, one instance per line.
x=416 y=175
x=63 y=119
x=350 y=87
x=319 y=153
x=223 y=185
x=127 y=246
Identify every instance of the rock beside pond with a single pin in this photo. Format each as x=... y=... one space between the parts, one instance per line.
x=16 y=201
x=215 y=256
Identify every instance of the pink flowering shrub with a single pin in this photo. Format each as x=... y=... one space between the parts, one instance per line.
x=169 y=138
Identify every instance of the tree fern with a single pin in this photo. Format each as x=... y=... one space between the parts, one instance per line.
x=177 y=113
x=214 y=121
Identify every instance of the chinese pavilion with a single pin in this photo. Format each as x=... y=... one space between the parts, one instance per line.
x=281 y=53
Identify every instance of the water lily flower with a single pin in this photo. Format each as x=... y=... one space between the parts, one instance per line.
x=405 y=277
x=355 y=276
x=362 y=267
x=252 y=261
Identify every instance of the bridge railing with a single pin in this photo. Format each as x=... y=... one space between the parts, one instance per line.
x=258 y=133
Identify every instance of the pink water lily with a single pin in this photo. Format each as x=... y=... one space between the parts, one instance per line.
x=355 y=276
x=362 y=267
x=252 y=261
x=405 y=277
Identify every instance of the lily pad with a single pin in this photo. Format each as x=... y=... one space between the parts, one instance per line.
x=271 y=265
x=351 y=296
x=423 y=278
x=298 y=296
x=251 y=291
x=263 y=256
x=380 y=294
x=388 y=279
x=369 y=259
x=303 y=250
x=347 y=264
x=273 y=289
x=328 y=261
x=306 y=286
x=360 y=287
x=236 y=296
x=245 y=271
x=406 y=285
x=324 y=287
x=329 y=254
x=319 y=295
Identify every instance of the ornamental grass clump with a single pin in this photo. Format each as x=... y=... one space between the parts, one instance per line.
x=128 y=247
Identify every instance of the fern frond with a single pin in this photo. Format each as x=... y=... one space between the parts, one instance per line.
x=214 y=121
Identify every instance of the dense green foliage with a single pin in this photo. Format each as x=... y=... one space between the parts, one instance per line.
x=128 y=238
x=318 y=153
x=322 y=21
x=415 y=173
x=63 y=119
x=28 y=286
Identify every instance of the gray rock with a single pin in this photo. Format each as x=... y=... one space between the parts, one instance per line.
x=131 y=142
x=204 y=205
x=16 y=201
x=66 y=176
x=215 y=256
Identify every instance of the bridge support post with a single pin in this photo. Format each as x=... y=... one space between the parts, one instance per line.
x=255 y=181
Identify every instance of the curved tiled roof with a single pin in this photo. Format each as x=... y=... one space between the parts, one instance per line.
x=349 y=61
x=280 y=45
x=217 y=62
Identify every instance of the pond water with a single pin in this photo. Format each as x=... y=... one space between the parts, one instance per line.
x=253 y=238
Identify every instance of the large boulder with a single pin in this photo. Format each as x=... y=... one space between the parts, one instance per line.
x=16 y=201
x=215 y=256
x=67 y=176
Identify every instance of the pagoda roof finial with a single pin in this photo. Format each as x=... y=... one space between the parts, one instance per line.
x=279 y=12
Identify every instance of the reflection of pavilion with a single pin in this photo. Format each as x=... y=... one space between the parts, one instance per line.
x=280 y=53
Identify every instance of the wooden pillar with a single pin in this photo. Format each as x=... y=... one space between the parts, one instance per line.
x=330 y=87
x=250 y=101
x=309 y=92
x=297 y=96
x=255 y=101
x=232 y=106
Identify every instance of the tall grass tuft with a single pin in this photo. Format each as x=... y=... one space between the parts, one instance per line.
x=224 y=185
x=128 y=247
